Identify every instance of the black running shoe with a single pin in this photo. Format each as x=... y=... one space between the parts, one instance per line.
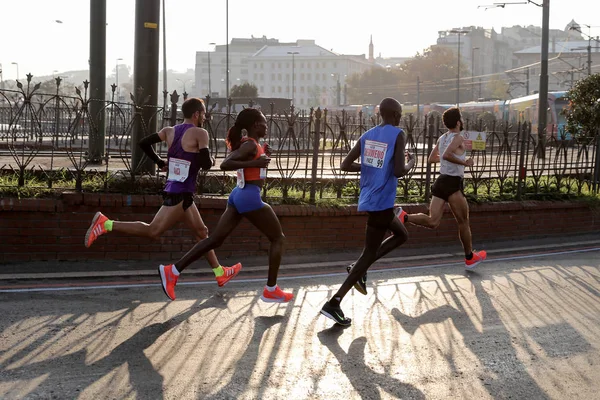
x=361 y=284
x=336 y=314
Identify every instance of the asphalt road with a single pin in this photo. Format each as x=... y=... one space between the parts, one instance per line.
x=522 y=326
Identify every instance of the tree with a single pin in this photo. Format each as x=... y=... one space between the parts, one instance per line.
x=245 y=90
x=583 y=112
x=436 y=68
x=497 y=88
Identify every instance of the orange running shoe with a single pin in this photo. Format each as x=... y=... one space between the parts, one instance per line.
x=96 y=229
x=400 y=213
x=168 y=279
x=230 y=273
x=478 y=256
x=276 y=296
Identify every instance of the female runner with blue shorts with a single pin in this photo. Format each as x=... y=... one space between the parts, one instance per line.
x=251 y=161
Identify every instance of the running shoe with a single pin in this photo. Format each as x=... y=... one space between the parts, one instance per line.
x=336 y=314
x=361 y=284
x=96 y=229
x=168 y=280
x=400 y=213
x=276 y=296
x=230 y=273
x=478 y=256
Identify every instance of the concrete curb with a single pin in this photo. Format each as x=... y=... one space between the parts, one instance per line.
x=290 y=267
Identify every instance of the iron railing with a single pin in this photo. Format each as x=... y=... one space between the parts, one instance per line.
x=44 y=146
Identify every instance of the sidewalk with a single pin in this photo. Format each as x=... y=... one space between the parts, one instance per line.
x=290 y=263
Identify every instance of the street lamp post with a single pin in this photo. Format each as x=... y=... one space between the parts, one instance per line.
x=209 y=78
x=117 y=78
x=183 y=83
x=17 y=64
x=473 y=72
x=338 y=87
x=293 y=53
x=458 y=32
x=227 y=47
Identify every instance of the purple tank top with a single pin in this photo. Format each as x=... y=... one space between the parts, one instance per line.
x=183 y=165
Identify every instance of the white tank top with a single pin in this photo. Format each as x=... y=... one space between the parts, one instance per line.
x=447 y=167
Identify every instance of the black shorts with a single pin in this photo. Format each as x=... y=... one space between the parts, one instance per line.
x=446 y=185
x=381 y=219
x=173 y=199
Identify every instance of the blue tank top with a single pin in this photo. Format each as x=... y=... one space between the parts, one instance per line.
x=183 y=165
x=378 y=183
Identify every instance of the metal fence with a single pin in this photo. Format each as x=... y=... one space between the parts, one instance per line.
x=44 y=146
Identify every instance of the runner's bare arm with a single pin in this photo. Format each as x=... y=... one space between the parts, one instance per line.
x=147 y=142
x=449 y=153
x=434 y=157
x=206 y=162
x=401 y=167
x=349 y=164
x=243 y=158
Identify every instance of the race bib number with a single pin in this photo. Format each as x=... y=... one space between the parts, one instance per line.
x=374 y=153
x=178 y=170
x=241 y=182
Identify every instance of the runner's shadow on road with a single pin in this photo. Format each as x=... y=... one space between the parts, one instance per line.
x=499 y=384
x=364 y=380
x=247 y=363
x=145 y=380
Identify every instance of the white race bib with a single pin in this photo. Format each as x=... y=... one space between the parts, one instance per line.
x=263 y=173
x=178 y=170
x=374 y=153
x=241 y=182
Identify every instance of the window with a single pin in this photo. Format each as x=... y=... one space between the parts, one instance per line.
x=279 y=76
x=301 y=89
x=272 y=77
x=279 y=65
x=308 y=76
x=324 y=77
x=302 y=65
x=318 y=64
x=302 y=102
x=302 y=76
x=272 y=65
x=272 y=89
x=262 y=77
x=279 y=87
x=317 y=76
x=256 y=75
x=261 y=66
x=256 y=66
x=287 y=77
x=287 y=65
x=262 y=88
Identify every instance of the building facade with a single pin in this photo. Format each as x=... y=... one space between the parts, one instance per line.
x=302 y=71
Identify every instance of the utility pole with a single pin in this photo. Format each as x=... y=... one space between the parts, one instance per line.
x=458 y=32
x=543 y=94
x=227 y=50
x=418 y=98
x=473 y=71
x=97 y=78
x=145 y=77
x=527 y=82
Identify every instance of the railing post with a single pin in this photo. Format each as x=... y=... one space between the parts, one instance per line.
x=596 y=182
x=523 y=133
x=315 y=158
x=174 y=100
x=429 y=133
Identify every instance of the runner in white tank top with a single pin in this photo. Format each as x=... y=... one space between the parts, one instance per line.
x=450 y=152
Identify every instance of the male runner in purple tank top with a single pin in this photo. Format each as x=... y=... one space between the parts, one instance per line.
x=188 y=152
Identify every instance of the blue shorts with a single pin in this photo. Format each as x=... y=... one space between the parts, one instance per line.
x=246 y=199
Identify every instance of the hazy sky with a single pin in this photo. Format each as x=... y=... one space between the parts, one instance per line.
x=399 y=27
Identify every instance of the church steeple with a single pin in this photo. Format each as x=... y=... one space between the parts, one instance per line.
x=371 y=50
